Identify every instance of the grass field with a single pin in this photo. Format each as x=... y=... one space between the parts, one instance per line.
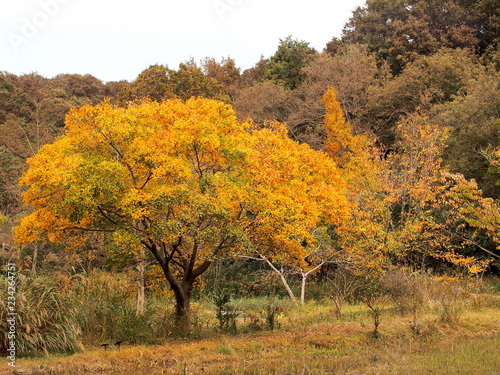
x=309 y=341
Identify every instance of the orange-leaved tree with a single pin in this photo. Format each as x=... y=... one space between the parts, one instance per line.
x=400 y=200
x=364 y=239
x=292 y=181
x=404 y=205
x=351 y=231
x=363 y=236
x=428 y=214
x=185 y=181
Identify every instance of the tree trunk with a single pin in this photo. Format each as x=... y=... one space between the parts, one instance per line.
x=287 y=287
x=304 y=277
x=183 y=306
x=303 y=288
x=376 y=322
x=282 y=277
x=182 y=283
x=140 y=267
x=182 y=291
x=376 y=312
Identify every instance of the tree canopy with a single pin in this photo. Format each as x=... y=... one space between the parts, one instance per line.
x=401 y=30
x=185 y=180
x=285 y=66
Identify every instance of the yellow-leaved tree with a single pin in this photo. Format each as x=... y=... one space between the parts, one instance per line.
x=184 y=181
x=293 y=181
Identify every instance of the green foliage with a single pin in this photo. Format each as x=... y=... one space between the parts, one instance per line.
x=10 y=166
x=153 y=83
x=242 y=279
x=189 y=80
x=225 y=76
x=83 y=89
x=474 y=119
x=286 y=64
x=158 y=82
x=424 y=83
x=399 y=31
x=226 y=312
x=274 y=308
x=265 y=312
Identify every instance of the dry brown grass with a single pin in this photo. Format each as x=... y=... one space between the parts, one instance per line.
x=303 y=346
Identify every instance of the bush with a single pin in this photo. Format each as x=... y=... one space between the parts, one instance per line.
x=449 y=297
x=342 y=285
x=242 y=278
x=274 y=308
x=408 y=291
x=226 y=312
x=265 y=312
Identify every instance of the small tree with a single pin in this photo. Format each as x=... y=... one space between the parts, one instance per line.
x=343 y=284
x=372 y=293
x=304 y=263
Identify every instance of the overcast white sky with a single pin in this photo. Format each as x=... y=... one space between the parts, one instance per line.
x=117 y=39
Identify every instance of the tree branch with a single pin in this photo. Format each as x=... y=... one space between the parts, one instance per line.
x=88 y=229
x=106 y=216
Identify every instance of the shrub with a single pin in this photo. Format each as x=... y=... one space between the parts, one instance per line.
x=408 y=291
x=343 y=284
x=226 y=312
x=449 y=297
x=373 y=294
x=265 y=312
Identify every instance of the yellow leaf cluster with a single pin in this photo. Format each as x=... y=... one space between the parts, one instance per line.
x=157 y=172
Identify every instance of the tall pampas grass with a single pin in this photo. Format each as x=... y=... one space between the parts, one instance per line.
x=45 y=320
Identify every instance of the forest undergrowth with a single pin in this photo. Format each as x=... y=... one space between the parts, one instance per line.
x=455 y=329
